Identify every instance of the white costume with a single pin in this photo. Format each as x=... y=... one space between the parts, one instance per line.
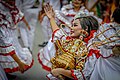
x=31 y=17
x=2 y=74
x=9 y=44
x=67 y=14
x=46 y=27
x=46 y=53
x=102 y=64
x=55 y=4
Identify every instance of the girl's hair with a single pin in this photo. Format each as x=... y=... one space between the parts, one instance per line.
x=116 y=15
x=89 y=23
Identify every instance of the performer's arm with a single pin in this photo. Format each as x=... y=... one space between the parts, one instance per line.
x=24 y=20
x=49 y=12
x=21 y=64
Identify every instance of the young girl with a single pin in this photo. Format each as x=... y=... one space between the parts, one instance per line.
x=68 y=12
x=82 y=23
x=103 y=61
x=12 y=56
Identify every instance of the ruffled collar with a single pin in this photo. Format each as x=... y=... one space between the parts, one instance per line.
x=90 y=36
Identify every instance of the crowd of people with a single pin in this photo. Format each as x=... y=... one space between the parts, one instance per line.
x=79 y=44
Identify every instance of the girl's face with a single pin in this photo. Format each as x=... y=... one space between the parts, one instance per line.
x=77 y=3
x=75 y=32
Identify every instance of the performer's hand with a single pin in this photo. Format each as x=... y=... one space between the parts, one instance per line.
x=22 y=67
x=49 y=10
x=41 y=17
x=56 y=72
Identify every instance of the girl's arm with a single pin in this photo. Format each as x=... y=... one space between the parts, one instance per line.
x=21 y=64
x=24 y=20
x=49 y=12
x=60 y=71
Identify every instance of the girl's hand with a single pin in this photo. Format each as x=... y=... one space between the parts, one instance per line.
x=41 y=17
x=56 y=72
x=22 y=67
x=49 y=11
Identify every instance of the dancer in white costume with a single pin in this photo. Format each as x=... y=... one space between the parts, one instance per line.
x=2 y=74
x=68 y=12
x=47 y=53
x=103 y=61
x=12 y=56
x=50 y=48
x=27 y=34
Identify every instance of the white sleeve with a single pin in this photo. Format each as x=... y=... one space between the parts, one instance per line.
x=58 y=34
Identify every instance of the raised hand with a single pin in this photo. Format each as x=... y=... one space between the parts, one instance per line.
x=49 y=10
x=22 y=67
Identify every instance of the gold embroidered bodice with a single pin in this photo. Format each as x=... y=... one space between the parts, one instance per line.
x=70 y=54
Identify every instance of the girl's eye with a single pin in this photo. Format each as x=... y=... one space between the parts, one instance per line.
x=75 y=25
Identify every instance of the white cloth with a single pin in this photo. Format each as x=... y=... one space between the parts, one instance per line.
x=23 y=5
x=106 y=67
x=48 y=52
x=9 y=42
x=2 y=74
x=31 y=17
x=54 y=3
x=46 y=29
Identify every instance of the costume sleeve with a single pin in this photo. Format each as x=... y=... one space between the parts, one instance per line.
x=86 y=72
x=6 y=47
x=58 y=34
x=62 y=18
x=24 y=4
x=110 y=35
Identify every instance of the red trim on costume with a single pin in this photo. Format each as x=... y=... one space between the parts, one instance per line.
x=61 y=21
x=47 y=77
x=61 y=37
x=75 y=78
x=68 y=38
x=3 y=17
x=82 y=75
x=9 y=70
x=5 y=46
x=43 y=66
x=71 y=15
x=13 y=9
x=97 y=54
x=8 y=54
x=90 y=36
x=53 y=34
x=20 y=19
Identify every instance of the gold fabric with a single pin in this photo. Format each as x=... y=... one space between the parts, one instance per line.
x=70 y=54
